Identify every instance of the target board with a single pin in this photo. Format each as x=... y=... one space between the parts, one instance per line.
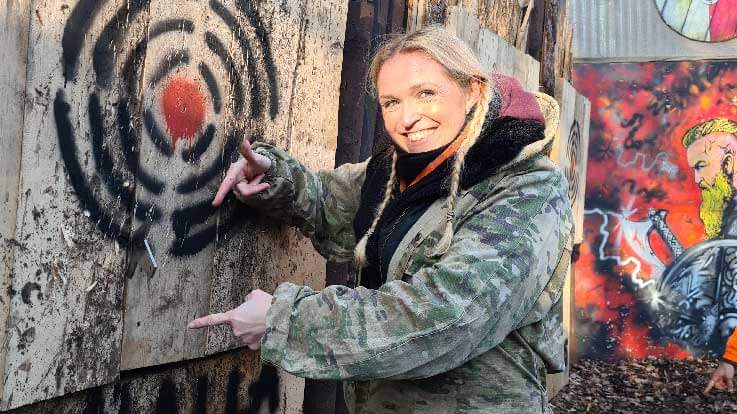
x=134 y=110
x=570 y=147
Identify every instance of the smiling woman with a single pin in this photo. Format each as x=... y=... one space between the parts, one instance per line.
x=422 y=107
x=460 y=230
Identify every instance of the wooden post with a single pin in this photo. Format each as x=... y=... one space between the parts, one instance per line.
x=550 y=41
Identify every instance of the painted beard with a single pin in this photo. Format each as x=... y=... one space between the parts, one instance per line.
x=714 y=200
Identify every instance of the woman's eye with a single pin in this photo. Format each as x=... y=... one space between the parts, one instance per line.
x=388 y=104
x=426 y=94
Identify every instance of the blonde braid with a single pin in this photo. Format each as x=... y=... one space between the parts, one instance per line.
x=471 y=135
x=359 y=253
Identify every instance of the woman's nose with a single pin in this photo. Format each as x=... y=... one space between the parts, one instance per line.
x=409 y=116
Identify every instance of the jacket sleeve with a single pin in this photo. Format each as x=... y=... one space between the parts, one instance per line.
x=321 y=205
x=442 y=315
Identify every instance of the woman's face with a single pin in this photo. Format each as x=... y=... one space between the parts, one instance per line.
x=423 y=108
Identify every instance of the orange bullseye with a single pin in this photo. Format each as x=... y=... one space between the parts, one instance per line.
x=183 y=105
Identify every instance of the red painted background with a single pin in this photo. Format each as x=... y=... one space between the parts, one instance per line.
x=636 y=161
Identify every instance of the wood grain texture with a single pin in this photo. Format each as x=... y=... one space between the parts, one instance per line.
x=308 y=48
x=14 y=23
x=570 y=152
x=98 y=185
x=494 y=53
x=66 y=309
x=233 y=382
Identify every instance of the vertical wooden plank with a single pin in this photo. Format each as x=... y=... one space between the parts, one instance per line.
x=527 y=70
x=14 y=23
x=308 y=63
x=276 y=82
x=182 y=120
x=571 y=147
x=583 y=120
x=489 y=44
x=570 y=150
x=307 y=47
x=470 y=29
x=66 y=309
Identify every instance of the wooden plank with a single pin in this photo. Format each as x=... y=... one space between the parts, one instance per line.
x=502 y=17
x=307 y=45
x=527 y=70
x=571 y=147
x=15 y=18
x=583 y=118
x=308 y=63
x=488 y=51
x=173 y=117
x=570 y=151
x=66 y=309
x=234 y=382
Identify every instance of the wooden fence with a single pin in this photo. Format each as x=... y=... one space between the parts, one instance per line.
x=120 y=117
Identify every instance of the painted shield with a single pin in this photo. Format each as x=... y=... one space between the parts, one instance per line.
x=695 y=299
x=702 y=20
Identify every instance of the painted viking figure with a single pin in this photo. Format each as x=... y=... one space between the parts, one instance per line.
x=699 y=287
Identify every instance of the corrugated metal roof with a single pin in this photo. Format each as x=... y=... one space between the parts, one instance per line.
x=633 y=31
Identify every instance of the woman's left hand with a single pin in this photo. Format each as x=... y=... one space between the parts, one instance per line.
x=248 y=320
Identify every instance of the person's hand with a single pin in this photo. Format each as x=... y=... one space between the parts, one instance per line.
x=244 y=176
x=722 y=378
x=248 y=320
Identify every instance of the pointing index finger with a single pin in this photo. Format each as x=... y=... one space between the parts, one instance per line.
x=247 y=151
x=209 y=320
x=228 y=183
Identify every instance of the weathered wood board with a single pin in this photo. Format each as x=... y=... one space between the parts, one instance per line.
x=65 y=320
x=135 y=109
x=308 y=45
x=570 y=149
x=234 y=382
x=14 y=22
x=495 y=53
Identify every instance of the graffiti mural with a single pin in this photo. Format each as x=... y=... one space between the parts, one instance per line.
x=702 y=20
x=656 y=275
x=179 y=102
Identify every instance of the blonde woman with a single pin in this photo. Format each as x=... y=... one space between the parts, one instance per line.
x=460 y=230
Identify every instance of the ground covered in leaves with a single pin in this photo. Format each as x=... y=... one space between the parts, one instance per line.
x=653 y=386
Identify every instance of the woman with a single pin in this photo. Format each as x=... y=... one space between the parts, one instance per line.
x=460 y=230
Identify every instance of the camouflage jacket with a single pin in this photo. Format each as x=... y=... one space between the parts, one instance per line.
x=471 y=331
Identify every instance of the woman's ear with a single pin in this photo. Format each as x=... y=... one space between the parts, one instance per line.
x=474 y=94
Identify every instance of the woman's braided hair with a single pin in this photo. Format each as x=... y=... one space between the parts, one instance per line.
x=463 y=67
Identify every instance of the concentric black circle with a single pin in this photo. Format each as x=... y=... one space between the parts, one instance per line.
x=574 y=143
x=122 y=190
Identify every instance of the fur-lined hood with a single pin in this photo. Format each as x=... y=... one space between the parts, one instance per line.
x=519 y=126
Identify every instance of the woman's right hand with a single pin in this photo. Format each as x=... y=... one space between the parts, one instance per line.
x=244 y=176
x=722 y=378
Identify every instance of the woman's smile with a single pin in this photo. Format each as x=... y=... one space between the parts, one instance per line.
x=416 y=136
